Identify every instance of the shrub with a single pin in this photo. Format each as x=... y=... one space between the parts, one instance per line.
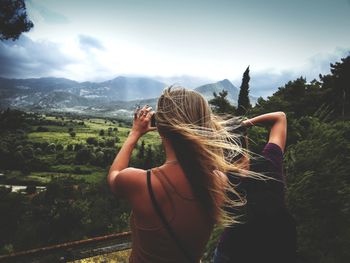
x=83 y=156
x=70 y=147
x=110 y=142
x=51 y=148
x=59 y=147
x=92 y=141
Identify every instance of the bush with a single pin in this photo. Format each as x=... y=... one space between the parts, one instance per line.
x=70 y=147
x=101 y=143
x=77 y=147
x=59 y=147
x=38 y=151
x=83 y=156
x=110 y=142
x=92 y=141
x=51 y=148
x=28 y=152
x=72 y=134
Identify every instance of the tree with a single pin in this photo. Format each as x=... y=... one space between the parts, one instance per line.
x=141 y=153
x=318 y=193
x=13 y=19
x=110 y=142
x=83 y=156
x=221 y=103
x=92 y=141
x=72 y=134
x=243 y=97
x=102 y=133
x=149 y=157
x=336 y=87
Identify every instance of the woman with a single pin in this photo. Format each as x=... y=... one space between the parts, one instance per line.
x=267 y=232
x=175 y=206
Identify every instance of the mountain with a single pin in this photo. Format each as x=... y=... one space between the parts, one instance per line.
x=233 y=92
x=208 y=90
x=123 y=88
x=113 y=98
x=184 y=81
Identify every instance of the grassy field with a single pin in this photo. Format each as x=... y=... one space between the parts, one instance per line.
x=57 y=131
x=91 y=128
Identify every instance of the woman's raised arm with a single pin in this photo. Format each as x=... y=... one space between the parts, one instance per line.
x=278 y=132
x=141 y=125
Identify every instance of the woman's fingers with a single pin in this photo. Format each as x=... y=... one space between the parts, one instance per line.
x=145 y=110
x=149 y=115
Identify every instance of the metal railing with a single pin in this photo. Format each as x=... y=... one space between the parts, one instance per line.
x=74 y=250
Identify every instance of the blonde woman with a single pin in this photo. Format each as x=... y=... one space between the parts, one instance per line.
x=175 y=206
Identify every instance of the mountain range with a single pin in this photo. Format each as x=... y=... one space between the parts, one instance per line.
x=112 y=98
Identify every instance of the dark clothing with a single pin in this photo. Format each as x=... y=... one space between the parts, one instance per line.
x=267 y=232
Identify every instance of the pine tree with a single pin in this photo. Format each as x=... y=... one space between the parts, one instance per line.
x=243 y=98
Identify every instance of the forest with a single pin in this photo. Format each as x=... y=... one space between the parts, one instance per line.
x=70 y=157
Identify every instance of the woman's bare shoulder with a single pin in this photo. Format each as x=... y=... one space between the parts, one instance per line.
x=129 y=181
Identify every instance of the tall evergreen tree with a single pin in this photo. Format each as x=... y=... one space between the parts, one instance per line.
x=243 y=98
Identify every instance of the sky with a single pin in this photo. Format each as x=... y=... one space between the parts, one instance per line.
x=207 y=39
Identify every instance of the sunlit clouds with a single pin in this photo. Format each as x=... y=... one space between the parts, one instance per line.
x=99 y=40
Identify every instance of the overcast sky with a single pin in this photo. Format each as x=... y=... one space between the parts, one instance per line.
x=99 y=40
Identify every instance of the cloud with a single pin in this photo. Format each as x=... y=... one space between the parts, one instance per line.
x=264 y=83
x=320 y=63
x=87 y=43
x=27 y=58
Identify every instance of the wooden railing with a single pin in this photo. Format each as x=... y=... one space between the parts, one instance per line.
x=74 y=250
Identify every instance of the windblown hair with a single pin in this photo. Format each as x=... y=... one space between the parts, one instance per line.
x=205 y=147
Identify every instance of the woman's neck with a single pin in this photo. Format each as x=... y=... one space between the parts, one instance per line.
x=169 y=151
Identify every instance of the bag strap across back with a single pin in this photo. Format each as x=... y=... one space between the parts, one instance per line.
x=164 y=221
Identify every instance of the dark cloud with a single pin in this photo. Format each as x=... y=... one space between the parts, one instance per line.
x=26 y=58
x=87 y=43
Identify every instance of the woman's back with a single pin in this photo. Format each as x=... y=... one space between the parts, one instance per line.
x=151 y=241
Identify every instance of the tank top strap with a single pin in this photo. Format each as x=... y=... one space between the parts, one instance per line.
x=165 y=181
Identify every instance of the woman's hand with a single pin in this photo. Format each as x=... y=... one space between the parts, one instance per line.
x=278 y=132
x=142 y=121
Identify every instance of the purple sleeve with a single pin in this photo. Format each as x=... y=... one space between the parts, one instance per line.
x=273 y=153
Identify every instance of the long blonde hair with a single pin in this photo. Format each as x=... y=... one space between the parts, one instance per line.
x=204 y=147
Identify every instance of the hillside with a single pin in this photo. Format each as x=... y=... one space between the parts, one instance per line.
x=112 y=98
